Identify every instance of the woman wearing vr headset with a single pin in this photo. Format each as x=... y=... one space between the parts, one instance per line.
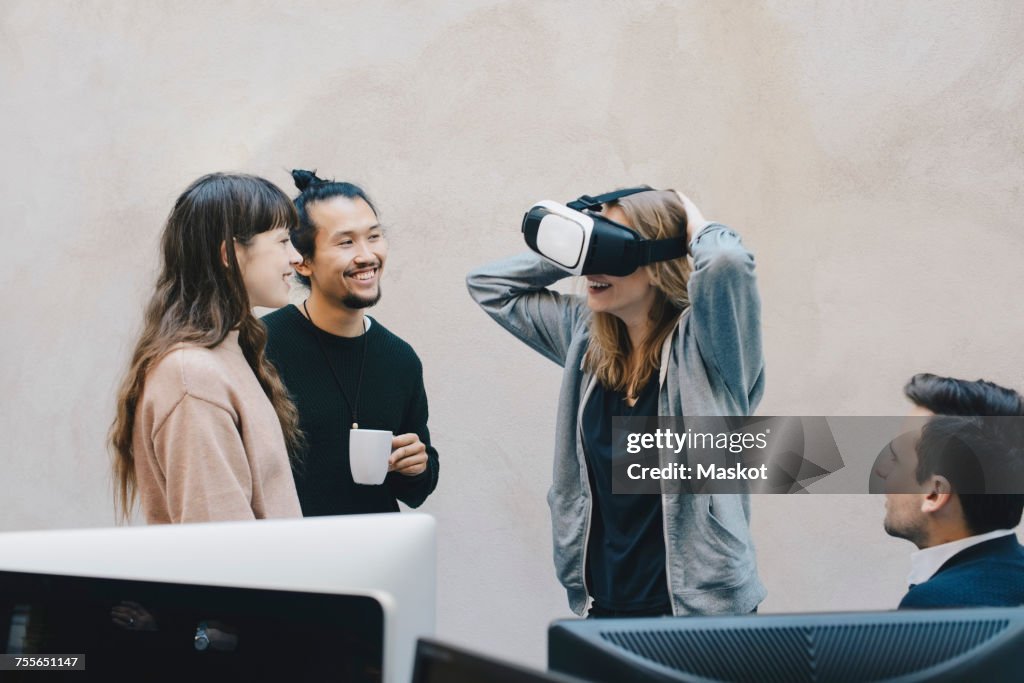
x=666 y=338
x=204 y=424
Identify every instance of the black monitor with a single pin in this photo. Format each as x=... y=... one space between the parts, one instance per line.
x=118 y=630
x=976 y=644
x=440 y=663
x=326 y=596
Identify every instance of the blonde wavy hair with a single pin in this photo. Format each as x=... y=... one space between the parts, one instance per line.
x=658 y=214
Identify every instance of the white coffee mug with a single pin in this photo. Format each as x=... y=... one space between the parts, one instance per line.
x=368 y=454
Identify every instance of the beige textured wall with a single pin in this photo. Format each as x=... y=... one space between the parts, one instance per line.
x=870 y=152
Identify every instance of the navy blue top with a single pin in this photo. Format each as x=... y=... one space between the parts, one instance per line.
x=626 y=548
x=989 y=574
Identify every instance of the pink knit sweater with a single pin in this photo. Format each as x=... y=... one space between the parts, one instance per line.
x=208 y=445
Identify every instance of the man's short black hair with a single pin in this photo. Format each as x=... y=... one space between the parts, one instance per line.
x=950 y=396
x=983 y=460
x=974 y=454
x=311 y=190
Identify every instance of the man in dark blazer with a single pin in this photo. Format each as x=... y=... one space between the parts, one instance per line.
x=939 y=494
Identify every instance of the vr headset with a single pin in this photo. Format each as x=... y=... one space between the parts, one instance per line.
x=581 y=241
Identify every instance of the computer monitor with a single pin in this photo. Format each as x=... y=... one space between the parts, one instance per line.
x=983 y=644
x=347 y=590
x=437 y=662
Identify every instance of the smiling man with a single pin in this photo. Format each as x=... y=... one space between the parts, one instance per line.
x=343 y=369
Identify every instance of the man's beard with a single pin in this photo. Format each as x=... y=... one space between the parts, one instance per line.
x=356 y=302
x=905 y=531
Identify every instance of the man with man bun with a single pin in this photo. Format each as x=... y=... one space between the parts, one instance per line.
x=343 y=369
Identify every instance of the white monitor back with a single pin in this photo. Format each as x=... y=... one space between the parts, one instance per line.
x=390 y=557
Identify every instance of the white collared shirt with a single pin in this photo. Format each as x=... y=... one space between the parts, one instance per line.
x=924 y=563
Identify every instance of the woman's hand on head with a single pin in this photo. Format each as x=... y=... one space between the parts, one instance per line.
x=695 y=220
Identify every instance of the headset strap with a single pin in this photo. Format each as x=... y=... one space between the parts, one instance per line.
x=652 y=251
x=588 y=202
x=663 y=250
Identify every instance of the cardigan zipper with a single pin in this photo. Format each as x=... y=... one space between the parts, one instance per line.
x=586 y=479
x=662 y=374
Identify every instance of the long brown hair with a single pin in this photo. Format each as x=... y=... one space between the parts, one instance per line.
x=655 y=215
x=199 y=301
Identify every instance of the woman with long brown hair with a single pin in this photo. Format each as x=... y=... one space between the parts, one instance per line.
x=669 y=339
x=204 y=425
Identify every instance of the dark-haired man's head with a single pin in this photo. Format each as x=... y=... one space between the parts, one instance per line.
x=960 y=475
x=340 y=239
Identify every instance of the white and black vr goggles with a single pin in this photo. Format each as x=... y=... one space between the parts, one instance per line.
x=581 y=241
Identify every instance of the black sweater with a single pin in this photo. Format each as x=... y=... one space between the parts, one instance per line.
x=392 y=398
